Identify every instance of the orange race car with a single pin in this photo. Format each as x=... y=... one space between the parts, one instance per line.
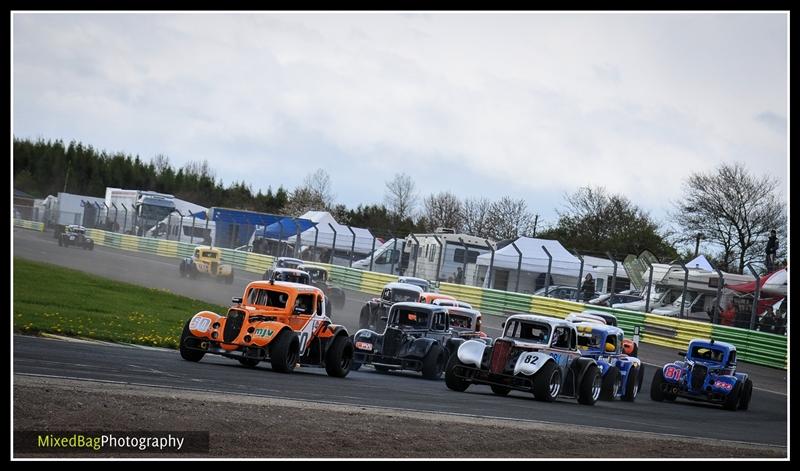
x=429 y=298
x=280 y=322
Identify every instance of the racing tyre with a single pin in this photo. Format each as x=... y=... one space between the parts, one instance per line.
x=656 y=393
x=187 y=353
x=434 y=362
x=91 y=245
x=192 y=271
x=339 y=357
x=747 y=393
x=355 y=366
x=500 y=390
x=450 y=379
x=732 y=401
x=632 y=384
x=248 y=362
x=612 y=382
x=590 y=387
x=283 y=353
x=547 y=383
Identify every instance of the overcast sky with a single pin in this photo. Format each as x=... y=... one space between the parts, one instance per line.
x=531 y=105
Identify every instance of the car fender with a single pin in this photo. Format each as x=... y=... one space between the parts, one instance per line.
x=265 y=332
x=417 y=348
x=579 y=366
x=200 y=324
x=530 y=362
x=674 y=372
x=452 y=344
x=471 y=353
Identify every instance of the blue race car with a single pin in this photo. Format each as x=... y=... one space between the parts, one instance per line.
x=621 y=374
x=707 y=373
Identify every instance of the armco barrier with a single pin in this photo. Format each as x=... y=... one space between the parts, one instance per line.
x=752 y=346
x=36 y=226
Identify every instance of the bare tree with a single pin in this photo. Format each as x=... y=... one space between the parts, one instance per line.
x=160 y=163
x=733 y=210
x=199 y=169
x=443 y=210
x=509 y=219
x=401 y=197
x=319 y=184
x=302 y=200
x=476 y=216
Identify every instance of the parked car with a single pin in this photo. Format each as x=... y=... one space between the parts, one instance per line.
x=276 y=321
x=75 y=235
x=536 y=354
x=417 y=338
x=207 y=261
x=377 y=308
x=707 y=373
x=621 y=374
x=561 y=292
x=609 y=299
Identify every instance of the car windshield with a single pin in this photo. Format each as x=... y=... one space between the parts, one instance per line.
x=528 y=330
x=316 y=274
x=708 y=354
x=410 y=318
x=401 y=295
x=209 y=255
x=267 y=298
x=459 y=321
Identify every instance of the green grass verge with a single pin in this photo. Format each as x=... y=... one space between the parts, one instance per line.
x=48 y=298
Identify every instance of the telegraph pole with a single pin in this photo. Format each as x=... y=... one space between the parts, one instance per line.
x=535 y=221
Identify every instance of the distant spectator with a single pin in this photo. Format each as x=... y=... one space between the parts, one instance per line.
x=588 y=287
x=772 y=250
x=768 y=321
x=459 y=278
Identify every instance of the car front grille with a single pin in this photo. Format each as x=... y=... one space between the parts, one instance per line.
x=233 y=325
x=214 y=266
x=391 y=342
x=699 y=373
x=500 y=352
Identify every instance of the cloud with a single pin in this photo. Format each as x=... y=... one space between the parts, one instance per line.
x=534 y=104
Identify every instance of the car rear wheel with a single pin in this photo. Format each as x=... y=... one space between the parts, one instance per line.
x=732 y=401
x=339 y=358
x=612 y=382
x=450 y=379
x=187 y=353
x=747 y=393
x=547 y=382
x=632 y=383
x=656 y=393
x=284 y=352
x=590 y=387
x=434 y=362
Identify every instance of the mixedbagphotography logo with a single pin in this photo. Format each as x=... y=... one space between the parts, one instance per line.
x=100 y=442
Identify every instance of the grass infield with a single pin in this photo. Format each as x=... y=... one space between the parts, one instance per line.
x=48 y=298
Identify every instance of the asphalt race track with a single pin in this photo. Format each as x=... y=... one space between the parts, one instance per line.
x=764 y=423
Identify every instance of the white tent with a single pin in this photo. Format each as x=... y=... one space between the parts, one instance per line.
x=534 y=258
x=325 y=236
x=700 y=262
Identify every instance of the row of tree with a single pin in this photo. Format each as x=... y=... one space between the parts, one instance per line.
x=730 y=209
